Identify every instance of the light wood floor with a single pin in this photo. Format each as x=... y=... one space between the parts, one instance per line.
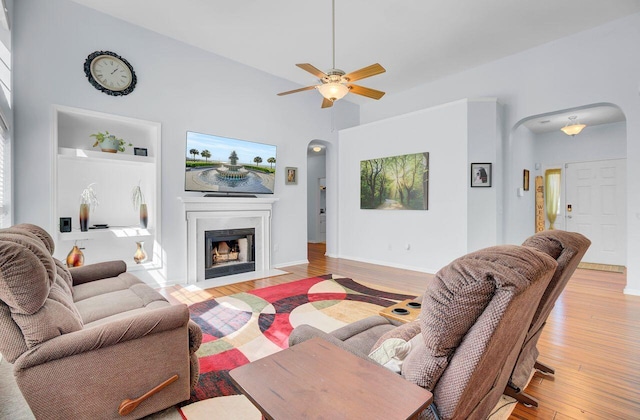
x=592 y=337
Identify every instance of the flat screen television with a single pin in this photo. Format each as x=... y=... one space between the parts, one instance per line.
x=225 y=166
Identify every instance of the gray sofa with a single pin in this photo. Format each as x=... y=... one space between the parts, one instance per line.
x=87 y=342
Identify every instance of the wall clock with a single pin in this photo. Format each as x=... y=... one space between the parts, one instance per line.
x=110 y=73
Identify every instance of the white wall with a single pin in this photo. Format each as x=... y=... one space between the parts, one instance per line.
x=520 y=221
x=444 y=232
x=484 y=137
x=594 y=66
x=183 y=88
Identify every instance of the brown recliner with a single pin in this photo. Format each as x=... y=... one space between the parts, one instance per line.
x=86 y=343
x=475 y=312
x=567 y=248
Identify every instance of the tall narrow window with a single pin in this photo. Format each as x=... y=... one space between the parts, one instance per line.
x=3 y=219
x=552 y=195
x=5 y=134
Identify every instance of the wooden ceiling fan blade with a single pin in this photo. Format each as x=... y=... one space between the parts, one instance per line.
x=326 y=103
x=365 y=72
x=365 y=91
x=296 y=90
x=311 y=69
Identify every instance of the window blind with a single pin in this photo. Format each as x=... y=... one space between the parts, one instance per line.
x=3 y=219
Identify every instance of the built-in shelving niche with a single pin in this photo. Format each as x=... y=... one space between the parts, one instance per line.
x=78 y=164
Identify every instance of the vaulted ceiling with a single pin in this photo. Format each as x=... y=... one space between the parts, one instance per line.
x=417 y=41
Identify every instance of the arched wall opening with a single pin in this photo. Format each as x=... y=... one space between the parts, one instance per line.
x=319 y=196
x=536 y=143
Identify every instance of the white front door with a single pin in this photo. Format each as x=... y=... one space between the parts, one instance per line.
x=596 y=207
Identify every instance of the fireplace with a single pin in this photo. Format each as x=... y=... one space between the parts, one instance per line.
x=228 y=251
x=224 y=214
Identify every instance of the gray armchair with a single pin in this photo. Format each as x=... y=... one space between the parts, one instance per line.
x=94 y=342
x=475 y=315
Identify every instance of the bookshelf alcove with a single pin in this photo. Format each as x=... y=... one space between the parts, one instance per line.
x=77 y=164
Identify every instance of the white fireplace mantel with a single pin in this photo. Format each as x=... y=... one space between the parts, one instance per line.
x=212 y=213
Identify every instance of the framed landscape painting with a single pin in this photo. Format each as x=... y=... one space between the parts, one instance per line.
x=395 y=183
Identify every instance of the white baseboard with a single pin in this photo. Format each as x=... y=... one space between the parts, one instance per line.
x=389 y=264
x=633 y=292
x=290 y=263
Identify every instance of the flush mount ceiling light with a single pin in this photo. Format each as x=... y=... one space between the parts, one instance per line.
x=573 y=127
x=335 y=83
x=316 y=149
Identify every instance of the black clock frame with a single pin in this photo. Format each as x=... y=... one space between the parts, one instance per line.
x=94 y=82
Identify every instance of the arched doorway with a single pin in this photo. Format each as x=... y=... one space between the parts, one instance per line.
x=317 y=191
x=593 y=178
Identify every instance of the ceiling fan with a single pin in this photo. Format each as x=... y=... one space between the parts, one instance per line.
x=335 y=83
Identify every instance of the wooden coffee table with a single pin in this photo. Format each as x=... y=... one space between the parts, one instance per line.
x=412 y=312
x=316 y=379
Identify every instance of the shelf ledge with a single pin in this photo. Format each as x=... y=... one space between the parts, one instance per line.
x=118 y=232
x=68 y=152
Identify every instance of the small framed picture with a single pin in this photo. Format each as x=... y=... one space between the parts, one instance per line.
x=481 y=174
x=525 y=180
x=291 y=175
x=139 y=151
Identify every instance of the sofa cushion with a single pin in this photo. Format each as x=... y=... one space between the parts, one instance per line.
x=12 y=344
x=404 y=332
x=52 y=320
x=64 y=274
x=27 y=271
x=119 y=295
x=100 y=287
x=126 y=314
x=365 y=339
x=40 y=233
x=61 y=293
x=392 y=352
x=39 y=301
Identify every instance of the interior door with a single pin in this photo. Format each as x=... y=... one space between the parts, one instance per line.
x=596 y=207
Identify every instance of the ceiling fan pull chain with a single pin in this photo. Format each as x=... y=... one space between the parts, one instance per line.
x=333 y=120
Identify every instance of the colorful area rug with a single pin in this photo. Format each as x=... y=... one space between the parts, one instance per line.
x=244 y=327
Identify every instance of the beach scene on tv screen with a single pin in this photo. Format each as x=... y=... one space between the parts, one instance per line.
x=220 y=164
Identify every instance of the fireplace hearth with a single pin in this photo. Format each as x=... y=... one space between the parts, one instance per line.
x=229 y=251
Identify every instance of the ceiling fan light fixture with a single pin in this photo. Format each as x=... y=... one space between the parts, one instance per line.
x=333 y=91
x=573 y=127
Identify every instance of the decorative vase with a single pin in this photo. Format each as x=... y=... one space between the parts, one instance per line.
x=75 y=258
x=140 y=256
x=110 y=144
x=84 y=217
x=144 y=216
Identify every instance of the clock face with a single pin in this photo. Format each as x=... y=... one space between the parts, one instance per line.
x=110 y=73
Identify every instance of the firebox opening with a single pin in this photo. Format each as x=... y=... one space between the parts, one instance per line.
x=229 y=251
